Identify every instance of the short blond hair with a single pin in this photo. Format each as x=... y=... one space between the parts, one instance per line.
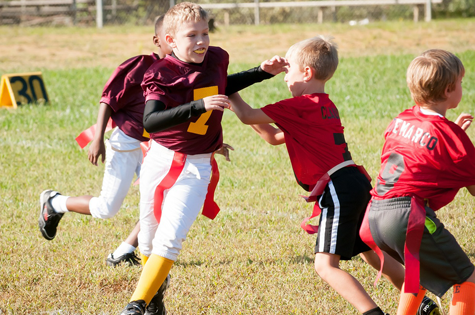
x=319 y=53
x=183 y=12
x=431 y=73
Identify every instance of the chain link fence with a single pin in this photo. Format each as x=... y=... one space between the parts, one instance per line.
x=231 y=12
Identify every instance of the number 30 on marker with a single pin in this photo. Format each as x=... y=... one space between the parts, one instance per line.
x=22 y=88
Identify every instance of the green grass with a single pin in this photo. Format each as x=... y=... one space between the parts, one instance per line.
x=252 y=259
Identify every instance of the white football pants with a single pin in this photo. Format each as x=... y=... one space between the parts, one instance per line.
x=181 y=203
x=123 y=160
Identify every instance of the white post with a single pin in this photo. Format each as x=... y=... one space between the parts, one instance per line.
x=172 y=3
x=256 y=13
x=416 y=13
x=114 y=9
x=99 y=14
x=428 y=13
x=320 y=15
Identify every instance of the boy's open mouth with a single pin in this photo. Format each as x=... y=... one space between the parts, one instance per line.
x=200 y=51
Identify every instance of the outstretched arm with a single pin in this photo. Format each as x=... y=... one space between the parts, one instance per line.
x=269 y=133
x=247 y=114
x=267 y=69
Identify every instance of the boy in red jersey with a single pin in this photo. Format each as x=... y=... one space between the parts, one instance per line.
x=185 y=95
x=310 y=126
x=425 y=160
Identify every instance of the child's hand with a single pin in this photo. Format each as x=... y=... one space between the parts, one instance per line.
x=275 y=65
x=224 y=150
x=464 y=121
x=96 y=150
x=216 y=102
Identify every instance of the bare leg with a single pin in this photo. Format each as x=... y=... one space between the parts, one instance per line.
x=132 y=239
x=392 y=269
x=328 y=268
x=79 y=204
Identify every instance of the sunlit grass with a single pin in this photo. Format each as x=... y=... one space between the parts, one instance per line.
x=252 y=259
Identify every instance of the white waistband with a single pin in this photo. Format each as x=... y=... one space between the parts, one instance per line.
x=340 y=166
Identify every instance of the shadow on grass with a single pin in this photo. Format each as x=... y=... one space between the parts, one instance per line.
x=301 y=259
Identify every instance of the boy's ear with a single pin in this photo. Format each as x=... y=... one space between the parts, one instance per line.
x=156 y=40
x=308 y=73
x=170 y=41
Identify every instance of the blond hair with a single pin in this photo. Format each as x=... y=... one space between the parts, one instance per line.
x=431 y=73
x=319 y=53
x=183 y=12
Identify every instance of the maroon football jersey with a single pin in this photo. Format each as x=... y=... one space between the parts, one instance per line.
x=426 y=156
x=174 y=82
x=124 y=95
x=313 y=134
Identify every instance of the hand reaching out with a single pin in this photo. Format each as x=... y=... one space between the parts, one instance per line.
x=275 y=65
x=224 y=150
x=216 y=102
x=464 y=121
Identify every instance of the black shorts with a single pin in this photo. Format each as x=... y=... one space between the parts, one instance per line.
x=343 y=205
x=443 y=263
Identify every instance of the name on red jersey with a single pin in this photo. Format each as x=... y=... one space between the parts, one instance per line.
x=411 y=133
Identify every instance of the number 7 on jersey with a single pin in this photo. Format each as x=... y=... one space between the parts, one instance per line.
x=199 y=127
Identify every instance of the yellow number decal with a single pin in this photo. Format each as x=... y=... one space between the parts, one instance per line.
x=145 y=134
x=199 y=127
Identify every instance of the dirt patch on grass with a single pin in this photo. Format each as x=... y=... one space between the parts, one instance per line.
x=29 y=49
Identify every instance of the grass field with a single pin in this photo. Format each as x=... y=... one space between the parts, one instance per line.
x=253 y=258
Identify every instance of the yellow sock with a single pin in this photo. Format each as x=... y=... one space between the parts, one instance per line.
x=463 y=299
x=153 y=274
x=409 y=302
x=144 y=259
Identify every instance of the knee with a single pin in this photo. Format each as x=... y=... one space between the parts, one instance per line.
x=103 y=209
x=321 y=268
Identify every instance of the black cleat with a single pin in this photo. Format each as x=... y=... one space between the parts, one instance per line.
x=49 y=219
x=428 y=307
x=156 y=305
x=135 y=308
x=130 y=258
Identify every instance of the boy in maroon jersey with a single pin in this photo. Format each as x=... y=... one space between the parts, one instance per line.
x=425 y=160
x=185 y=95
x=310 y=126
x=122 y=100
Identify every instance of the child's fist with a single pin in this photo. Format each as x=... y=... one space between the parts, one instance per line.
x=216 y=102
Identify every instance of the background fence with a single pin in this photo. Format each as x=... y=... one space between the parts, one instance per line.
x=143 y=12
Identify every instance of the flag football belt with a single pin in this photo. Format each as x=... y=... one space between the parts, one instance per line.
x=210 y=207
x=318 y=190
x=415 y=229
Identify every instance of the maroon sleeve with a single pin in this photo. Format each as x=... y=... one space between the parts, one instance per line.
x=125 y=81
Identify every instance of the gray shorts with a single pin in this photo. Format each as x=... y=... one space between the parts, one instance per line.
x=443 y=263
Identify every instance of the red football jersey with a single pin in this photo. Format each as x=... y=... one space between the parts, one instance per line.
x=313 y=134
x=174 y=82
x=426 y=156
x=123 y=93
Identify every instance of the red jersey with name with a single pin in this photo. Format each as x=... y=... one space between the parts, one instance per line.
x=426 y=156
x=174 y=82
x=123 y=93
x=313 y=134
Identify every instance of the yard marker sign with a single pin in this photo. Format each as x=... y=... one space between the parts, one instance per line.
x=22 y=88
